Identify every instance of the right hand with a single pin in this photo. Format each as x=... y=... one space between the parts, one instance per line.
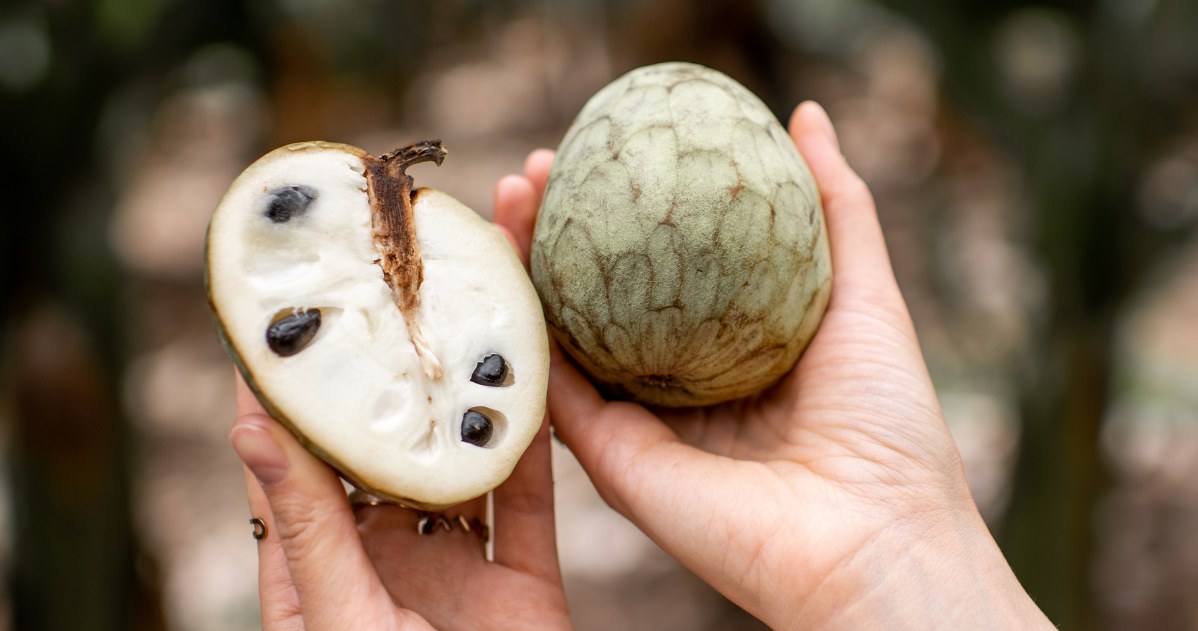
x=837 y=498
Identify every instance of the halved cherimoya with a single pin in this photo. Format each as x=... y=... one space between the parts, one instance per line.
x=391 y=329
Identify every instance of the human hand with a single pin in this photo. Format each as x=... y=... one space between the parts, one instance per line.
x=325 y=564
x=835 y=499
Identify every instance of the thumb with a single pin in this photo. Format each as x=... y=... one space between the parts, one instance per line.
x=863 y=276
x=608 y=439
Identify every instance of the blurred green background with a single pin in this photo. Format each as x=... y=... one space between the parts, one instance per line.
x=1035 y=164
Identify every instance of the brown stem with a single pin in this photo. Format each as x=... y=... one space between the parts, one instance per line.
x=389 y=188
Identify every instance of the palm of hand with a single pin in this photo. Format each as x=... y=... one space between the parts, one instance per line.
x=798 y=473
x=452 y=585
x=812 y=459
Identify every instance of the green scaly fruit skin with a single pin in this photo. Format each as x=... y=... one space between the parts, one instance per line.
x=680 y=252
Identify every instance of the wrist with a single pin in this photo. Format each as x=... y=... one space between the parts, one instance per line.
x=941 y=572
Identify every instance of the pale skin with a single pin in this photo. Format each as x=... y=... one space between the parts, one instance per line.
x=326 y=565
x=834 y=500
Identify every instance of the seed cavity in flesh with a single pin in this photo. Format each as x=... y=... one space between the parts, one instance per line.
x=293 y=333
x=289 y=201
x=476 y=428
x=490 y=371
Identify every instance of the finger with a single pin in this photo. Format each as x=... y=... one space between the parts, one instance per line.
x=524 y=523
x=610 y=440
x=516 y=211
x=247 y=403
x=636 y=462
x=279 y=602
x=860 y=262
x=536 y=169
x=311 y=520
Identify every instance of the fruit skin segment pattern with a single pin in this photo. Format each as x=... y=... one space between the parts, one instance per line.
x=681 y=251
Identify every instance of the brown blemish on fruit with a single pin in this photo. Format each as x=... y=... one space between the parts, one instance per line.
x=661 y=381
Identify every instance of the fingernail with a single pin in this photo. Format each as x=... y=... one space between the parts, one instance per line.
x=264 y=457
x=508 y=181
x=820 y=118
x=537 y=155
x=536 y=158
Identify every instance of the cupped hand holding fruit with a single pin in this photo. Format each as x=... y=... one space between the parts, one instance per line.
x=324 y=564
x=836 y=498
x=390 y=328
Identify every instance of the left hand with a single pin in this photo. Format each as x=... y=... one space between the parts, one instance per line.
x=325 y=564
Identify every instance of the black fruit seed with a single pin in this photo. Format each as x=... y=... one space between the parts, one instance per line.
x=292 y=334
x=289 y=201
x=490 y=371
x=476 y=428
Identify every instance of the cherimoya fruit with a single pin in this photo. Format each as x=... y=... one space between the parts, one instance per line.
x=680 y=252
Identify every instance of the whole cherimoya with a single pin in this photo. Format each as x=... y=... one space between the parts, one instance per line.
x=680 y=252
x=392 y=330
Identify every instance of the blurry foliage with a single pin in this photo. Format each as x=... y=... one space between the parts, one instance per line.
x=1095 y=104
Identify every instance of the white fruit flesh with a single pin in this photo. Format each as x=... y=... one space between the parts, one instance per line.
x=358 y=393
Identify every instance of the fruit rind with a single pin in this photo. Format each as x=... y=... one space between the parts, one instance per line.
x=680 y=252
